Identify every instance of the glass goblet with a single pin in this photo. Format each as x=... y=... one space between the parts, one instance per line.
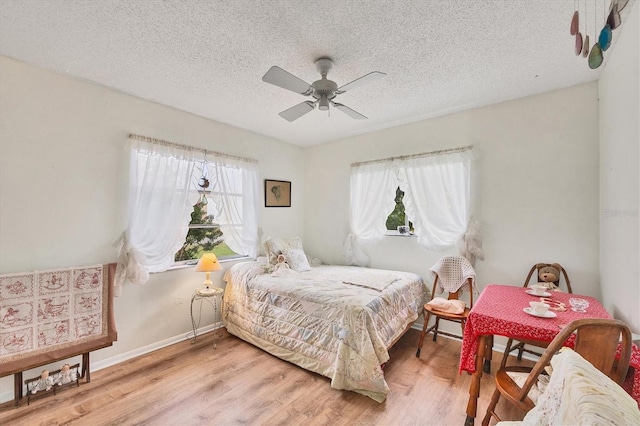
x=578 y=305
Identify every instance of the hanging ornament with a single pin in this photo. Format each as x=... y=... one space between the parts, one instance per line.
x=605 y=38
x=595 y=57
x=619 y=3
x=578 y=43
x=585 y=48
x=614 y=19
x=203 y=182
x=574 y=23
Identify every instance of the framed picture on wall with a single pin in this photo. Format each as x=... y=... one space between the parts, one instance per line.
x=277 y=193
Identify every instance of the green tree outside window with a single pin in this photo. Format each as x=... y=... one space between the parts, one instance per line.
x=397 y=216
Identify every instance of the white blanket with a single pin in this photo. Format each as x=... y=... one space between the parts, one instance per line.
x=580 y=394
x=317 y=321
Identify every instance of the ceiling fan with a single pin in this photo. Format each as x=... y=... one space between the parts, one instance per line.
x=323 y=90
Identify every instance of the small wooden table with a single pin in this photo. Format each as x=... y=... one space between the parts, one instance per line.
x=499 y=311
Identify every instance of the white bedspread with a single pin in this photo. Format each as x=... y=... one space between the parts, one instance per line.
x=319 y=321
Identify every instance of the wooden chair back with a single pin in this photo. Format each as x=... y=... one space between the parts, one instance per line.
x=536 y=268
x=596 y=341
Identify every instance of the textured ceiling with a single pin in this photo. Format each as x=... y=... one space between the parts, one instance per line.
x=208 y=57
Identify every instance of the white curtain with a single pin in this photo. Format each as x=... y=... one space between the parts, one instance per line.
x=160 y=204
x=235 y=193
x=436 y=197
x=373 y=189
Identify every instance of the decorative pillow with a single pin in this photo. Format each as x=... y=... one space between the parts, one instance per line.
x=276 y=246
x=296 y=259
x=448 y=306
x=314 y=261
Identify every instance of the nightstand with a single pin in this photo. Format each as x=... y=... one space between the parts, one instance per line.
x=210 y=295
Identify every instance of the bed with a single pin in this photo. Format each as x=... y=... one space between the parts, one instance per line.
x=337 y=321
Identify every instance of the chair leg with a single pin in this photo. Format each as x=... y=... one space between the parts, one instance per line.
x=424 y=331
x=435 y=330
x=491 y=409
x=520 y=351
x=507 y=350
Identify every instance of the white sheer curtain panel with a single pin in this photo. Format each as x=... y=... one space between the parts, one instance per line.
x=436 y=198
x=235 y=193
x=373 y=188
x=160 y=204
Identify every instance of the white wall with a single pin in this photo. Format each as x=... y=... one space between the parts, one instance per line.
x=619 y=175
x=535 y=187
x=64 y=185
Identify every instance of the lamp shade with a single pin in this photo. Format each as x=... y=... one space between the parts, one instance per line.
x=208 y=263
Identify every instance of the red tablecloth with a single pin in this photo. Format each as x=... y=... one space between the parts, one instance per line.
x=499 y=311
x=635 y=364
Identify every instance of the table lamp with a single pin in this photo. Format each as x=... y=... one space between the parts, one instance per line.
x=208 y=263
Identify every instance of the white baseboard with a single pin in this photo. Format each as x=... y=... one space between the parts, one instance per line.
x=108 y=362
x=496 y=346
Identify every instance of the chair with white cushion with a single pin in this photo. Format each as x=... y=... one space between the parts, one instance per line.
x=452 y=274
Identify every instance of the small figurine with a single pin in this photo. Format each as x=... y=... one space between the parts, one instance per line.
x=67 y=375
x=282 y=269
x=44 y=383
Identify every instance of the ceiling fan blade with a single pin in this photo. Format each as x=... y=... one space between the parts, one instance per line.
x=351 y=113
x=281 y=78
x=362 y=80
x=297 y=111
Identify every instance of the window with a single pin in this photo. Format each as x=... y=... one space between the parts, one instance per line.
x=163 y=190
x=205 y=234
x=398 y=216
x=436 y=198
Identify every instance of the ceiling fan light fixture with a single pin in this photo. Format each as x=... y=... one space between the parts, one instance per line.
x=323 y=103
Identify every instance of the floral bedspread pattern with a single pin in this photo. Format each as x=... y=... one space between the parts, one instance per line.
x=319 y=321
x=44 y=310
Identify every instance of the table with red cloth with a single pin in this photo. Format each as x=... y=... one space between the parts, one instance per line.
x=499 y=311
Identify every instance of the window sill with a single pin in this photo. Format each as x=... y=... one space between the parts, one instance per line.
x=397 y=234
x=191 y=263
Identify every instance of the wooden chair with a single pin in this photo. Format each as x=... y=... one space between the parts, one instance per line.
x=455 y=264
x=596 y=341
x=510 y=347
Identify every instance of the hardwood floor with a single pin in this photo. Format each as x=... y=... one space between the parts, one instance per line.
x=239 y=384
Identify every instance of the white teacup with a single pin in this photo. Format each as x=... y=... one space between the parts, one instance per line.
x=539 y=308
x=538 y=289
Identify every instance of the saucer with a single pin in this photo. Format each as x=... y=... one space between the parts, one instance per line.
x=545 y=294
x=547 y=314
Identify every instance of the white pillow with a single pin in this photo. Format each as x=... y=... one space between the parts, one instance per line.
x=448 y=306
x=314 y=261
x=296 y=259
x=276 y=246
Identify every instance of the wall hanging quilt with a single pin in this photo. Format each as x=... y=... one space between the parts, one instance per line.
x=49 y=315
